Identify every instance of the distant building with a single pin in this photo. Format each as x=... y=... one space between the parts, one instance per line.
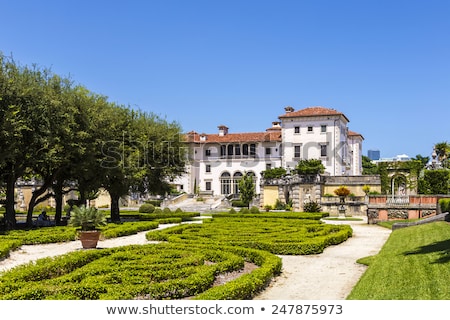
x=373 y=154
x=397 y=158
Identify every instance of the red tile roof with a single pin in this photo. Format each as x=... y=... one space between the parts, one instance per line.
x=313 y=112
x=354 y=134
x=234 y=137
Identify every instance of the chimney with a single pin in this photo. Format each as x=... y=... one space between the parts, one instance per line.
x=223 y=130
x=289 y=109
x=191 y=136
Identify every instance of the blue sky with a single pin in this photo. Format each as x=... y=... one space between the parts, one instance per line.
x=385 y=64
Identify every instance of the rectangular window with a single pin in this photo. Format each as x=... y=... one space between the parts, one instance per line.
x=245 y=149
x=296 y=129
x=230 y=149
x=208 y=168
x=268 y=151
x=208 y=185
x=237 y=149
x=323 y=150
x=310 y=129
x=223 y=150
x=208 y=152
x=296 y=151
x=323 y=128
x=268 y=166
x=253 y=149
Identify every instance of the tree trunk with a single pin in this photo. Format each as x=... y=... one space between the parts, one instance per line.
x=115 y=211
x=33 y=201
x=10 y=214
x=57 y=189
x=82 y=201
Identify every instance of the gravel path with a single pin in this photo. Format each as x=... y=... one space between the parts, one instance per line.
x=330 y=275
x=327 y=276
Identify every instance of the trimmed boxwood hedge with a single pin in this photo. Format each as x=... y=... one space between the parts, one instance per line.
x=15 y=238
x=281 y=215
x=7 y=246
x=163 y=271
x=278 y=236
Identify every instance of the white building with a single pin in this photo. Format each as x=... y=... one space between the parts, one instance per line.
x=218 y=161
x=321 y=133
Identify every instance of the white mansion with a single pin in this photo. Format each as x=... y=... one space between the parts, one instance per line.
x=218 y=161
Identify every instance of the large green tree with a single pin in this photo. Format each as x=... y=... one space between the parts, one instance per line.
x=20 y=91
x=369 y=168
x=67 y=137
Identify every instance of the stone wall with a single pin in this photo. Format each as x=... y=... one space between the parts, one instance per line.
x=385 y=208
x=354 y=183
x=302 y=189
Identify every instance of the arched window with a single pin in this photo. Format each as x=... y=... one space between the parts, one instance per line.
x=237 y=176
x=225 y=183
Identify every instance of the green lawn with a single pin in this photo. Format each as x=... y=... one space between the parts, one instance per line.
x=414 y=264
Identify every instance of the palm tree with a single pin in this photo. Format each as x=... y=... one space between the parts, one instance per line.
x=442 y=150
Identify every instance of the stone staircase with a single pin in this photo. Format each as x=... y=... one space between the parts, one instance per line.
x=193 y=205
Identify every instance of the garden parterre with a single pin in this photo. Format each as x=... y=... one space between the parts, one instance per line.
x=276 y=235
x=184 y=266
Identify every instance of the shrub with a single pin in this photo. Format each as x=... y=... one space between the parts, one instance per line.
x=238 y=203
x=444 y=205
x=158 y=210
x=279 y=205
x=147 y=208
x=267 y=207
x=7 y=246
x=274 y=173
x=254 y=209
x=156 y=203
x=167 y=210
x=232 y=211
x=179 y=210
x=312 y=206
x=244 y=210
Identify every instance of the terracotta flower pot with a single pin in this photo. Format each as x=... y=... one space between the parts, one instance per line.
x=89 y=239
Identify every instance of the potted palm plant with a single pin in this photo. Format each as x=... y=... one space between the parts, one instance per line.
x=87 y=219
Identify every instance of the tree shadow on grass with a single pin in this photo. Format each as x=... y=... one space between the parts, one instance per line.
x=441 y=247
